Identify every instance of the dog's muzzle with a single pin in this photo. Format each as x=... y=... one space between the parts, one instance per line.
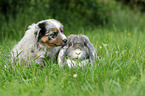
x=60 y=40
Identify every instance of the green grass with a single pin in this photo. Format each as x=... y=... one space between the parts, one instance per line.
x=118 y=71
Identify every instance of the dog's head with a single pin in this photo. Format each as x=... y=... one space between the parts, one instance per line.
x=50 y=33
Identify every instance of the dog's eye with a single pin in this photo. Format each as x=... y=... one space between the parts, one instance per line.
x=49 y=38
x=54 y=34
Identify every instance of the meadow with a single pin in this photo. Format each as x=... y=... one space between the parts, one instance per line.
x=119 y=69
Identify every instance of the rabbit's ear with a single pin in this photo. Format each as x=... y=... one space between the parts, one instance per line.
x=89 y=45
x=61 y=57
x=69 y=44
x=70 y=40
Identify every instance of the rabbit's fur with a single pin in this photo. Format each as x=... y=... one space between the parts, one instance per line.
x=77 y=51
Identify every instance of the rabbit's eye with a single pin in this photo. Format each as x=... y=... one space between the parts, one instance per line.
x=70 y=44
x=85 y=44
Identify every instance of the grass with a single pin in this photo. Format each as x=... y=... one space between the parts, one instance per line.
x=119 y=69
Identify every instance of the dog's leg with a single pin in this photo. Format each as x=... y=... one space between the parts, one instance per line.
x=40 y=61
x=61 y=57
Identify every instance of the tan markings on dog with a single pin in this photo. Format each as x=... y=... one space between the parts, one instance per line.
x=55 y=42
x=54 y=30
x=61 y=29
x=44 y=39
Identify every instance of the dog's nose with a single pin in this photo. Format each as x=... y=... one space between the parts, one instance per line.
x=64 y=40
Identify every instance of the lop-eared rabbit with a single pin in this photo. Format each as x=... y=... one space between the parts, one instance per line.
x=78 y=51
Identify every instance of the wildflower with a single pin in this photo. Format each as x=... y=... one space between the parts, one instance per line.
x=139 y=47
x=75 y=75
x=139 y=73
x=116 y=52
x=128 y=34
x=104 y=44
x=100 y=47
x=5 y=66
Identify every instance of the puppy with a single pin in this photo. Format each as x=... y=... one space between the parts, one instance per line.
x=41 y=40
x=78 y=51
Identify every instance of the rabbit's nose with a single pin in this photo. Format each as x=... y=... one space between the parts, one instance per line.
x=77 y=51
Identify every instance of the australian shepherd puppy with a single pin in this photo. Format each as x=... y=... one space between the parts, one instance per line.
x=41 y=40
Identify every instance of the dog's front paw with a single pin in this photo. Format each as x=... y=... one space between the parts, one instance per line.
x=40 y=61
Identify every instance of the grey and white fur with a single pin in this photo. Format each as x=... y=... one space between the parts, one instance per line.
x=41 y=40
x=78 y=51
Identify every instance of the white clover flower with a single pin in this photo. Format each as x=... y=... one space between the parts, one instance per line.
x=139 y=47
x=5 y=66
x=100 y=47
x=116 y=51
x=104 y=44
x=75 y=75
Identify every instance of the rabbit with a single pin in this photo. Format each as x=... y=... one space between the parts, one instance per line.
x=78 y=51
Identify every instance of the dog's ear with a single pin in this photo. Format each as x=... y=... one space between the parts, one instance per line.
x=41 y=32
